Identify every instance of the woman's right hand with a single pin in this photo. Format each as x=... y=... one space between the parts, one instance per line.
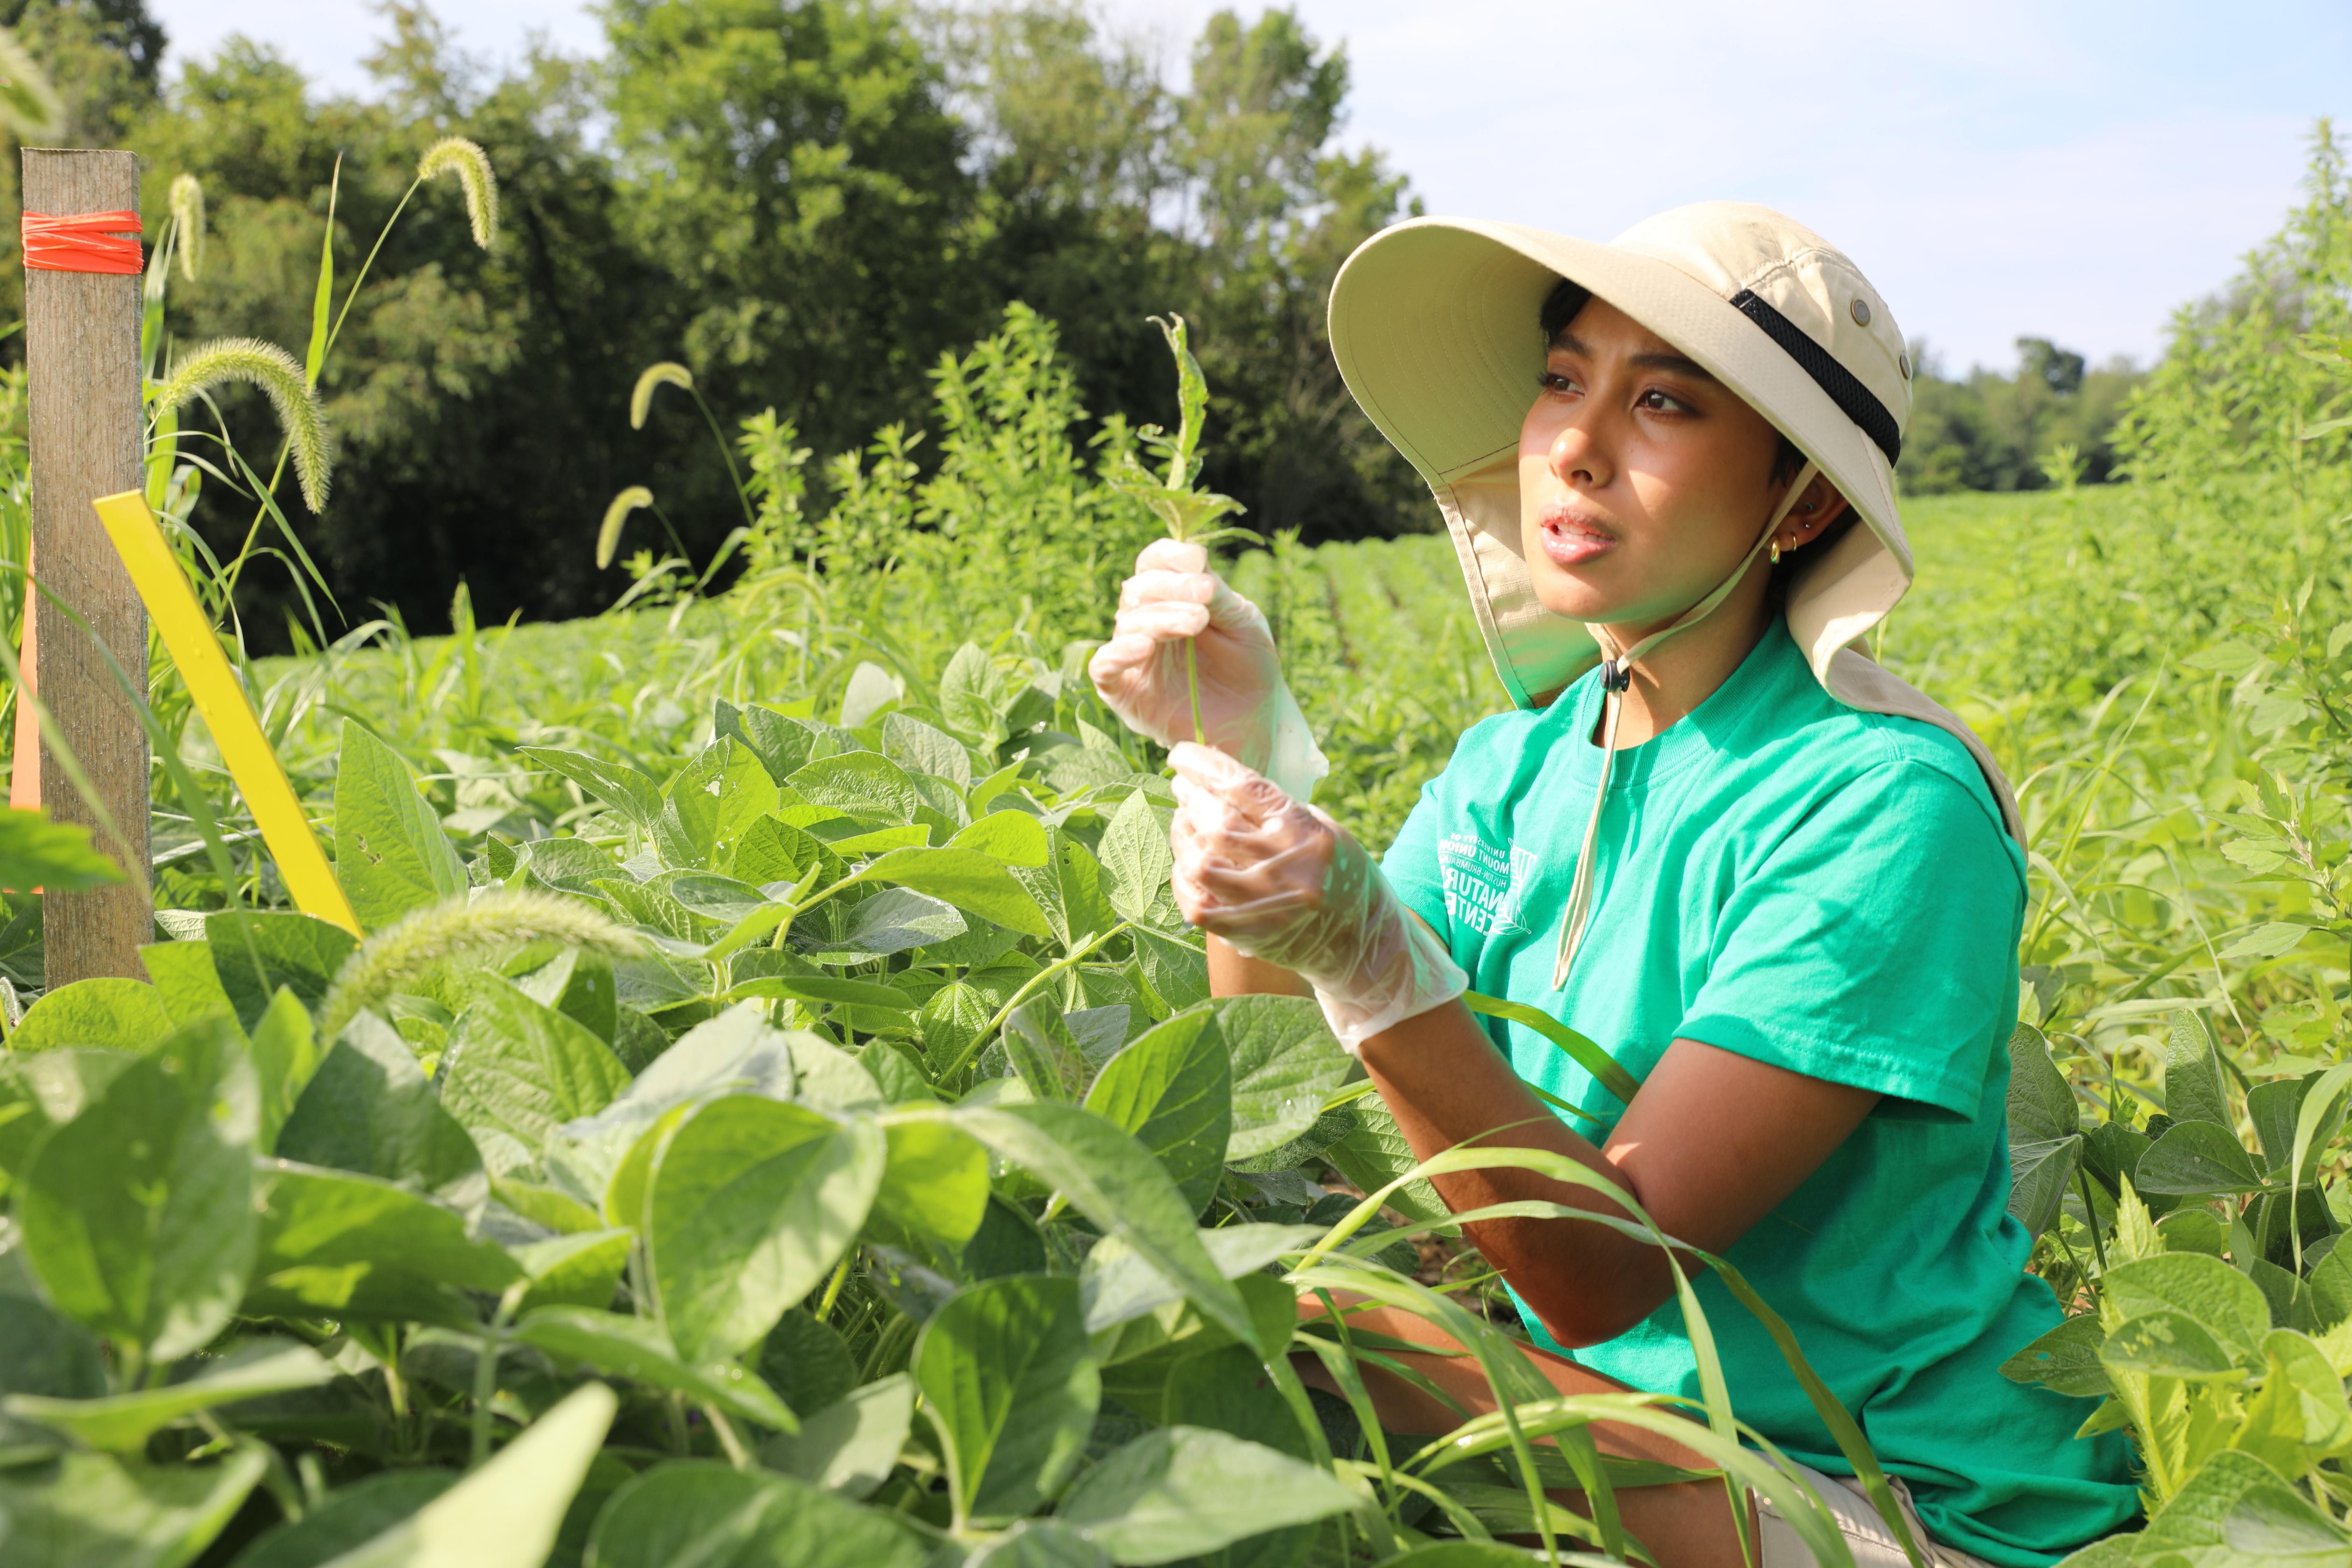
x=1246 y=712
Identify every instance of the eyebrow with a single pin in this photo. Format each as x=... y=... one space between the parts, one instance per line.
x=1672 y=362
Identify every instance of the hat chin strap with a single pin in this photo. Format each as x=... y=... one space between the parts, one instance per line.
x=1616 y=675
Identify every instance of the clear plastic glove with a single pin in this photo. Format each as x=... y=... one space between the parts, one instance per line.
x=1247 y=711
x=1282 y=883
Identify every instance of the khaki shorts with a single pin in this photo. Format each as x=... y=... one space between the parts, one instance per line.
x=1866 y=1535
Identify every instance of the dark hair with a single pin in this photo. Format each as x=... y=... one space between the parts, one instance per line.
x=1561 y=306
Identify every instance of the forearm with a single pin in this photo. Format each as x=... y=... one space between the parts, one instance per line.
x=1232 y=972
x=1447 y=1086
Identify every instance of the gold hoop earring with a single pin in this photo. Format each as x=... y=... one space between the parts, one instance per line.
x=1775 y=553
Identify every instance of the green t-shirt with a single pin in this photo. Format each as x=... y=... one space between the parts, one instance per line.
x=1830 y=892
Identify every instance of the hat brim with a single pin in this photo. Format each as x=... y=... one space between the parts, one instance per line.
x=1433 y=323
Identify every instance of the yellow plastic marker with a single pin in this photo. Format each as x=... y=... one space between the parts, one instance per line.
x=188 y=636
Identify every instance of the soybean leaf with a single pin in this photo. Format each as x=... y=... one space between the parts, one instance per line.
x=1117 y=1283
x=2272 y=1107
x=566 y=865
x=1013 y=837
x=1173 y=1089
x=936 y=1181
x=1376 y=1153
x=350 y=1516
x=137 y=1214
x=708 y=1514
x=285 y=1056
x=2038 y=1177
x=186 y=981
x=1186 y=1490
x=582 y=1269
x=2301 y=1406
x=2169 y=1344
x=1069 y=889
x=2064 y=1360
x=517 y=1070
x=121 y=1423
x=38 y=853
x=581 y=986
x=637 y=1349
x=46 y=1089
x=2196 y=1157
x=2235 y=1512
x=750 y=1202
x=390 y=853
x=865 y=785
x=2206 y=1291
x=2040 y=1106
x=783 y=744
x=369 y=1109
x=255 y=952
x=914 y=745
x=111 y=1015
x=829 y=990
x=95 y=1510
x=618 y=786
x=1039 y=1543
x=44 y=1352
x=1136 y=856
x=1043 y=1052
x=851 y=1446
x=505 y=1514
x=1009 y=1380
x=735 y=1053
x=337 y=1245
x=1286 y=1064
x=892 y=920
x=807 y=1362
x=967 y=878
x=2192 y=1074
x=1113 y=1181
x=1177 y=971
x=710 y=801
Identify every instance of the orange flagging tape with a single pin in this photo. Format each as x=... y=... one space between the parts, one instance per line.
x=83 y=242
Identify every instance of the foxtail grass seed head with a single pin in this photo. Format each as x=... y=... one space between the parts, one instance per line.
x=281 y=379
x=461 y=929
x=668 y=372
x=455 y=155
x=188 y=224
x=28 y=105
x=608 y=537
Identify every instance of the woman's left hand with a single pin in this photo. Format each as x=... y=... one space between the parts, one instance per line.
x=1282 y=883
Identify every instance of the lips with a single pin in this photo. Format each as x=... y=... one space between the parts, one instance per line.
x=1572 y=536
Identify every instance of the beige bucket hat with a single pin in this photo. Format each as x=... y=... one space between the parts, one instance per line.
x=1434 y=322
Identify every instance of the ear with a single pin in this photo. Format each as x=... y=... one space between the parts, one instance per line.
x=1819 y=507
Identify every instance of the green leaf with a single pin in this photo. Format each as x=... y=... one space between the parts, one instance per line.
x=2041 y=1105
x=1009 y=1380
x=185 y=979
x=737 y=1052
x=2274 y=939
x=1376 y=1153
x=2192 y=1074
x=2196 y=1158
x=506 y=1514
x=703 y=1512
x=1113 y=1181
x=137 y=1214
x=2169 y=1344
x=892 y=920
x=852 y=1446
x=517 y=1070
x=914 y=745
x=94 y=1510
x=865 y=785
x=1069 y=889
x=1117 y=1283
x=337 y=1244
x=38 y=855
x=113 y=1014
x=2206 y=1291
x=1186 y=1490
x=2301 y=1409
x=121 y=1423
x=829 y=990
x=43 y=1352
x=580 y=1269
x=968 y=879
x=369 y=1108
x=2038 y=1177
x=710 y=801
x=285 y=1057
x=1286 y=1064
x=390 y=852
x=1172 y=1088
x=582 y=986
x=2064 y=1360
x=350 y=1516
x=1178 y=971
x=782 y=743
x=255 y=952
x=1136 y=856
x=807 y=1362
x=2234 y=1512
x=618 y=786
x=750 y=1202
x=637 y=1349
x=1011 y=837
x=935 y=1184
x=1043 y=1052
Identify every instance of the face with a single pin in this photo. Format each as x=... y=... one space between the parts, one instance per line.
x=1642 y=479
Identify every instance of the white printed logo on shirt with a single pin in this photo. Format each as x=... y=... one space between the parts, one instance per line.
x=1483 y=884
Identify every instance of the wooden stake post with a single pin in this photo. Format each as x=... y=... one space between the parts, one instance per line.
x=82 y=360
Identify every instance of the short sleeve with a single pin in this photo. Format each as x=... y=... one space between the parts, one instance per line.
x=1876 y=944
x=1411 y=862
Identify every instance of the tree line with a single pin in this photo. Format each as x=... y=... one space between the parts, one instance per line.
x=808 y=203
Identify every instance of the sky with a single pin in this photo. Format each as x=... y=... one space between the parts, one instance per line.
x=2068 y=169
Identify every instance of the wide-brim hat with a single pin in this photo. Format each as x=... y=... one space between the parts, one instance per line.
x=1434 y=325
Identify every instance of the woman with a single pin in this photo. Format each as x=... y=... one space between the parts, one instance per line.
x=1780 y=887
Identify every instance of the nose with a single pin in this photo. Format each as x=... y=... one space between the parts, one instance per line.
x=1576 y=456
